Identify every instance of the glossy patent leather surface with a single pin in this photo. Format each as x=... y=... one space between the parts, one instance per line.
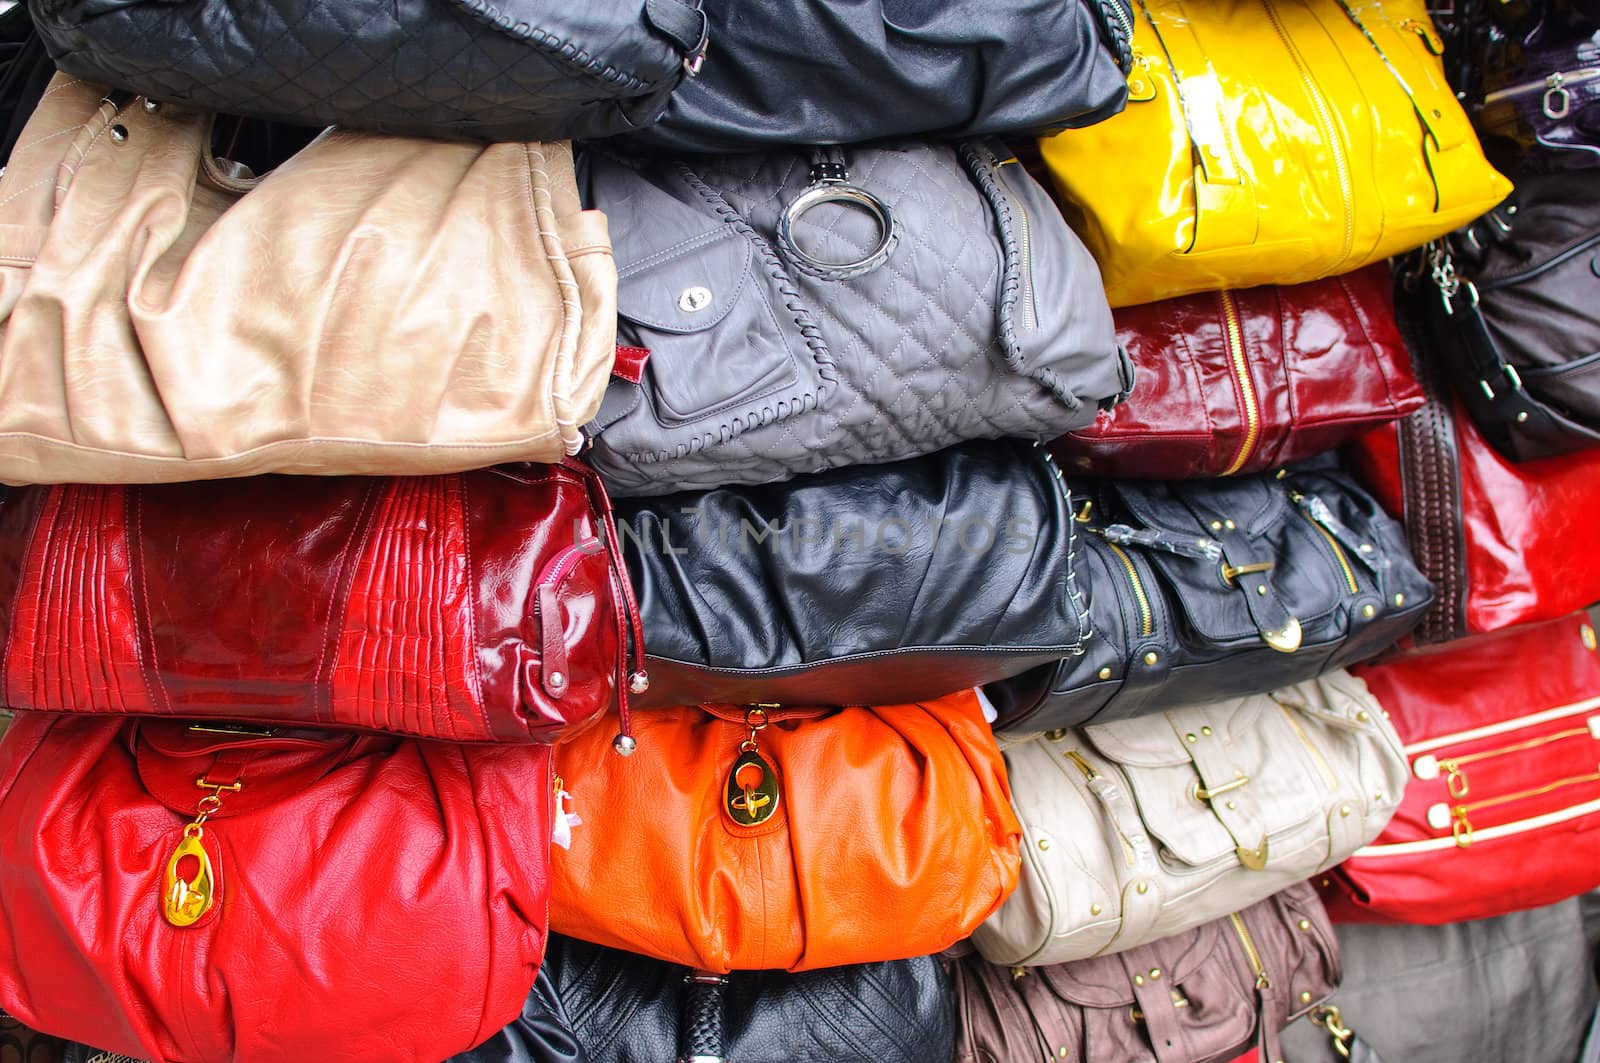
x=1271 y=142
x=472 y=607
x=374 y=897
x=1324 y=578
x=896 y=809
x=624 y=1008
x=868 y=585
x=1502 y=739
x=1243 y=381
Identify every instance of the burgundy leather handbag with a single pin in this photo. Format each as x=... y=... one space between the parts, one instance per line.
x=1202 y=996
x=1502 y=812
x=480 y=606
x=1244 y=381
x=1502 y=543
x=200 y=894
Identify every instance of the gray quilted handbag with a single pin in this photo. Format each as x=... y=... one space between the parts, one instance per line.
x=481 y=69
x=810 y=311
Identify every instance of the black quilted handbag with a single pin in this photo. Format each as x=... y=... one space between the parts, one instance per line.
x=1204 y=590
x=599 y=1005
x=481 y=69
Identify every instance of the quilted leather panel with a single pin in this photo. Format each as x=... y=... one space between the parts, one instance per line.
x=411 y=67
x=991 y=327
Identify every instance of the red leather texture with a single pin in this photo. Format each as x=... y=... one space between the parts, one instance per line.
x=891 y=835
x=1524 y=542
x=1502 y=733
x=409 y=605
x=1324 y=363
x=379 y=898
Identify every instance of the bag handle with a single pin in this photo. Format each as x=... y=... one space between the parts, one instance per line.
x=1225 y=202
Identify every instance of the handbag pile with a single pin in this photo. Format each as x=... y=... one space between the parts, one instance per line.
x=674 y=530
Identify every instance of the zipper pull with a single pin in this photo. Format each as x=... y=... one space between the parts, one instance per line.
x=1199 y=548
x=752 y=790
x=1317 y=511
x=185 y=900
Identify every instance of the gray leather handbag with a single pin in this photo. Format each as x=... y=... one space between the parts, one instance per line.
x=810 y=311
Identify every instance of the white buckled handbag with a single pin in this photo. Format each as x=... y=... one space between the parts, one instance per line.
x=1144 y=828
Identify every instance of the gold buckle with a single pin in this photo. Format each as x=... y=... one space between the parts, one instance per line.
x=1232 y=784
x=1233 y=572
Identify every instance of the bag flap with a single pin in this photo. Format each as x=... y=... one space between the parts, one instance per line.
x=1253 y=741
x=1253 y=519
x=171 y=757
x=731 y=346
x=1102 y=981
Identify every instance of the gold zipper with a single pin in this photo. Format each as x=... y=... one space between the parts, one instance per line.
x=1325 y=117
x=1316 y=754
x=1089 y=772
x=1461 y=826
x=1147 y=620
x=1262 y=981
x=1247 y=389
x=1428 y=767
x=1338 y=553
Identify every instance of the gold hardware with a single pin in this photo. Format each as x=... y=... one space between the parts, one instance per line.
x=1587 y=634
x=1261 y=589
x=1262 y=981
x=1044 y=844
x=1461 y=826
x=1061 y=1053
x=1285 y=640
x=1327 y=1016
x=1141 y=86
x=1147 y=620
x=1205 y=731
x=185 y=901
x=1143 y=887
x=1233 y=572
x=1138 y=979
x=1338 y=554
x=1206 y=794
x=1369 y=610
x=1089 y=772
x=1253 y=859
x=1399 y=599
x=1216 y=525
x=1363 y=716
x=1105 y=673
x=1178 y=1001
x=1234 y=335
x=1057 y=735
x=1304 y=924
x=1151 y=658
x=752 y=796
x=1155 y=974
x=1230 y=525
x=1232 y=805
x=1191 y=738
x=1305 y=996
x=1082 y=516
x=1095 y=909
x=1018 y=972
x=233 y=729
x=1344 y=811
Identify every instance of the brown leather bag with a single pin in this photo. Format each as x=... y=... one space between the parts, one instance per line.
x=1203 y=996
x=374 y=305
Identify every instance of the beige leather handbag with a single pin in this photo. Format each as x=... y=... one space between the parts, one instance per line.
x=374 y=305
x=1143 y=828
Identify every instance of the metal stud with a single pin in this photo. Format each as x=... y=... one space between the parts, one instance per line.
x=1365 y=548
x=152 y=106
x=1216 y=525
x=1095 y=909
x=1230 y=525
x=1044 y=844
x=1151 y=658
x=558 y=679
x=1104 y=673
x=1143 y=887
x=1364 y=716
x=119 y=134
x=1261 y=588
x=1305 y=996
x=1206 y=731
x=1061 y=1053
x=1057 y=735
x=1232 y=805
x=1155 y=974
x=1399 y=599
x=624 y=745
x=1191 y=738
x=1304 y=924
x=1369 y=610
x=1344 y=810
x=638 y=683
x=1138 y=979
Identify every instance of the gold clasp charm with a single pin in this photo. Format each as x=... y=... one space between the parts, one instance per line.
x=186 y=900
x=752 y=793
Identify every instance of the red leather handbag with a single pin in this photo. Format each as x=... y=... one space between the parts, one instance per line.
x=1244 y=381
x=1503 y=543
x=197 y=895
x=480 y=606
x=1502 y=813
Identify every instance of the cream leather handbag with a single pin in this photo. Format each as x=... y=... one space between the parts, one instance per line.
x=374 y=305
x=1146 y=827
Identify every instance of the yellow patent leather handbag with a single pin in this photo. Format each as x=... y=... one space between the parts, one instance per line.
x=1271 y=141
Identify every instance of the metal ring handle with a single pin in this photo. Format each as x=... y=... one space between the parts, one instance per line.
x=836 y=192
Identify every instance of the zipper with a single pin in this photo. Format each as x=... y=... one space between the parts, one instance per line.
x=1147 y=620
x=1532 y=720
x=1455 y=816
x=1323 y=766
x=1030 y=308
x=1234 y=337
x=1338 y=553
x=1429 y=767
x=1115 y=7
x=560 y=567
x=1504 y=830
x=1557 y=102
x=1262 y=981
x=1325 y=117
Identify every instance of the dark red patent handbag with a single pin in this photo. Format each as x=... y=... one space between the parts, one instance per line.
x=1244 y=381
x=198 y=896
x=1502 y=810
x=480 y=606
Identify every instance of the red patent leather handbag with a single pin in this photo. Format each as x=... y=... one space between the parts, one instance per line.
x=480 y=606
x=1503 y=543
x=1244 y=381
x=1502 y=812
x=202 y=896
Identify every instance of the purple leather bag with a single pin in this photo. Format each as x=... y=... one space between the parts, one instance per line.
x=1205 y=996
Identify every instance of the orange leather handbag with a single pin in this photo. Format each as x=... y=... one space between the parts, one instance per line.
x=757 y=838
